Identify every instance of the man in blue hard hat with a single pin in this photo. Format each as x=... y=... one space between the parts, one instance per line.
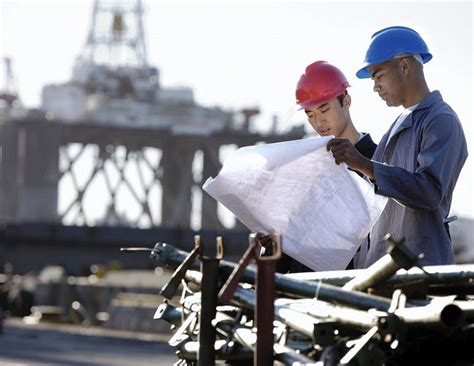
x=418 y=160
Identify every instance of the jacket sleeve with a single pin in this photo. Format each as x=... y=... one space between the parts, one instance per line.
x=442 y=154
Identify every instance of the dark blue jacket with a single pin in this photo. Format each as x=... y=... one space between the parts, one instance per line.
x=418 y=170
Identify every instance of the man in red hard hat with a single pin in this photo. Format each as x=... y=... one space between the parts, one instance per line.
x=418 y=160
x=322 y=93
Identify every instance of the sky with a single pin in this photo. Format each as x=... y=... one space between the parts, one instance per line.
x=247 y=53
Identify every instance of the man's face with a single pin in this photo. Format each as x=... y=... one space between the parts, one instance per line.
x=388 y=82
x=329 y=118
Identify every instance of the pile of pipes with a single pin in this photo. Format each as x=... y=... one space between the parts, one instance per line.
x=392 y=313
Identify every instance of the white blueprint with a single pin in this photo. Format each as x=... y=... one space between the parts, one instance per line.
x=322 y=210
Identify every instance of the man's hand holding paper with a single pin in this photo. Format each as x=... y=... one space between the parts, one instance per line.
x=322 y=210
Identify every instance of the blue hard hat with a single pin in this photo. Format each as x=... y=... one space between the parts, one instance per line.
x=390 y=42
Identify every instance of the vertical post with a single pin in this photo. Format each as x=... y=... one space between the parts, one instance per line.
x=177 y=181
x=209 y=287
x=39 y=178
x=211 y=166
x=8 y=172
x=29 y=163
x=265 y=308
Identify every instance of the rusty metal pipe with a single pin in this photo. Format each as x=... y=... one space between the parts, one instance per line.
x=169 y=290
x=209 y=289
x=265 y=308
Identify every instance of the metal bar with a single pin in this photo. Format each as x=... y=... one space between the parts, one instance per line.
x=448 y=315
x=307 y=313
x=286 y=355
x=398 y=257
x=169 y=290
x=323 y=311
x=296 y=320
x=233 y=280
x=290 y=357
x=169 y=313
x=166 y=253
x=330 y=293
x=467 y=307
x=188 y=351
x=360 y=344
x=181 y=335
x=209 y=289
x=441 y=276
x=265 y=309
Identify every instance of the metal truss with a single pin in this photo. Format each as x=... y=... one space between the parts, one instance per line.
x=110 y=176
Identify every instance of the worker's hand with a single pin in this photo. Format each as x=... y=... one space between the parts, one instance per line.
x=265 y=240
x=345 y=152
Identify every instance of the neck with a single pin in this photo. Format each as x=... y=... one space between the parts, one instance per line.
x=350 y=133
x=416 y=92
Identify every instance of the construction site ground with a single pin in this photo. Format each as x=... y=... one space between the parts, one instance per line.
x=64 y=344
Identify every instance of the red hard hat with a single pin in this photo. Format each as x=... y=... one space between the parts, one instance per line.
x=320 y=82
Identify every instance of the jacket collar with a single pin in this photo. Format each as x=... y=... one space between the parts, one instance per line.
x=365 y=142
x=427 y=102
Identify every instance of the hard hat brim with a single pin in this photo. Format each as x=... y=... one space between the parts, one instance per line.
x=363 y=73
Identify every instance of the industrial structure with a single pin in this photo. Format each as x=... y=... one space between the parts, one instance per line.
x=112 y=147
x=113 y=84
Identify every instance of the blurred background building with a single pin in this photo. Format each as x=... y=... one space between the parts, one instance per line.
x=112 y=156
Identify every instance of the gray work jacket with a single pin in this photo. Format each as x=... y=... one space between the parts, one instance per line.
x=418 y=170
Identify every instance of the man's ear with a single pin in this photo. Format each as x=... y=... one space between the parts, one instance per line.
x=405 y=65
x=346 y=102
